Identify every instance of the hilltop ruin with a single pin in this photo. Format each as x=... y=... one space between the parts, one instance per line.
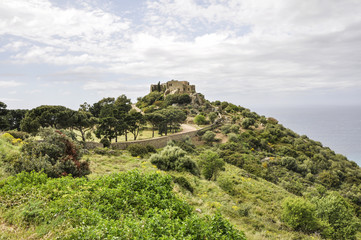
x=173 y=87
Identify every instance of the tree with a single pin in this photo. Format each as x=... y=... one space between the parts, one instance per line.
x=134 y=121
x=211 y=164
x=4 y=125
x=113 y=117
x=47 y=116
x=14 y=118
x=173 y=118
x=156 y=119
x=97 y=107
x=83 y=122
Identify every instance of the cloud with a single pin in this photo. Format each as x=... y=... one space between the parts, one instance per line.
x=9 y=84
x=237 y=46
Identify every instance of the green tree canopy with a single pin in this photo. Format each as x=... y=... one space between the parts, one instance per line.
x=47 y=116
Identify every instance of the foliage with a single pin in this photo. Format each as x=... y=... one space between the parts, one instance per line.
x=174 y=158
x=339 y=216
x=18 y=134
x=299 y=214
x=247 y=122
x=119 y=206
x=47 y=116
x=105 y=141
x=212 y=117
x=209 y=137
x=200 y=120
x=57 y=155
x=183 y=182
x=137 y=150
x=177 y=99
x=211 y=164
x=83 y=121
x=185 y=144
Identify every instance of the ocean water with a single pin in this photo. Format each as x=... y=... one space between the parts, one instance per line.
x=336 y=127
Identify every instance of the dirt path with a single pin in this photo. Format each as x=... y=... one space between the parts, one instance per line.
x=137 y=109
x=187 y=128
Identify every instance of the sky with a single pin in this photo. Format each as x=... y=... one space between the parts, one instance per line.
x=249 y=52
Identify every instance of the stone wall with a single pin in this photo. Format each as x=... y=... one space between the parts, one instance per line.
x=158 y=142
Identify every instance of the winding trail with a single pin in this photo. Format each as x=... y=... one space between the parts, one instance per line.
x=187 y=128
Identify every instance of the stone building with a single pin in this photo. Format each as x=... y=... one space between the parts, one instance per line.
x=173 y=87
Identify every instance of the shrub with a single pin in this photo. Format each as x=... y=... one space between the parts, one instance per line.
x=137 y=150
x=200 y=120
x=150 y=149
x=105 y=141
x=185 y=144
x=183 y=182
x=129 y=205
x=247 y=122
x=299 y=214
x=234 y=128
x=19 y=134
x=209 y=137
x=57 y=155
x=174 y=158
x=232 y=137
x=211 y=164
x=339 y=215
x=212 y=116
x=290 y=163
x=227 y=185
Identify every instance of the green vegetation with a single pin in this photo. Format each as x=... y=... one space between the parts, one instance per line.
x=257 y=176
x=127 y=206
x=57 y=155
x=174 y=158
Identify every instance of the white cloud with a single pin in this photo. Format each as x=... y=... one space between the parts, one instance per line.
x=222 y=46
x=9 y=84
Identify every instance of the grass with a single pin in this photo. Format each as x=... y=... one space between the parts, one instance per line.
x=251 y=204
x=253 y=207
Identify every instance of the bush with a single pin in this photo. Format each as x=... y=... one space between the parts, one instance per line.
x=247 y=122
x=211 y=164
x=200 y=120
x=174 y=158
x=150 y=149
x=129 y=205
x=57 y=155
x=105 y=142
x=209 y=137
x=212 y=116
x=299 y=214
x=183 y=182
x=232 y=137
x=339 y=216
x=18 y=134
x=137 y=150
x=227 y=185
x=185 y=144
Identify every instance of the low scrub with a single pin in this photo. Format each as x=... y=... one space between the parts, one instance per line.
x=174 y=158
x=120 y=206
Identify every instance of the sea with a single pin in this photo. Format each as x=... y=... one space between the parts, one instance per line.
x=336 y=127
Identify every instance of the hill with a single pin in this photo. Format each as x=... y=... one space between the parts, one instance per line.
x=264 y=179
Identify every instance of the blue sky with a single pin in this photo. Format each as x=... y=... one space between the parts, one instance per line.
x=250 y=52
